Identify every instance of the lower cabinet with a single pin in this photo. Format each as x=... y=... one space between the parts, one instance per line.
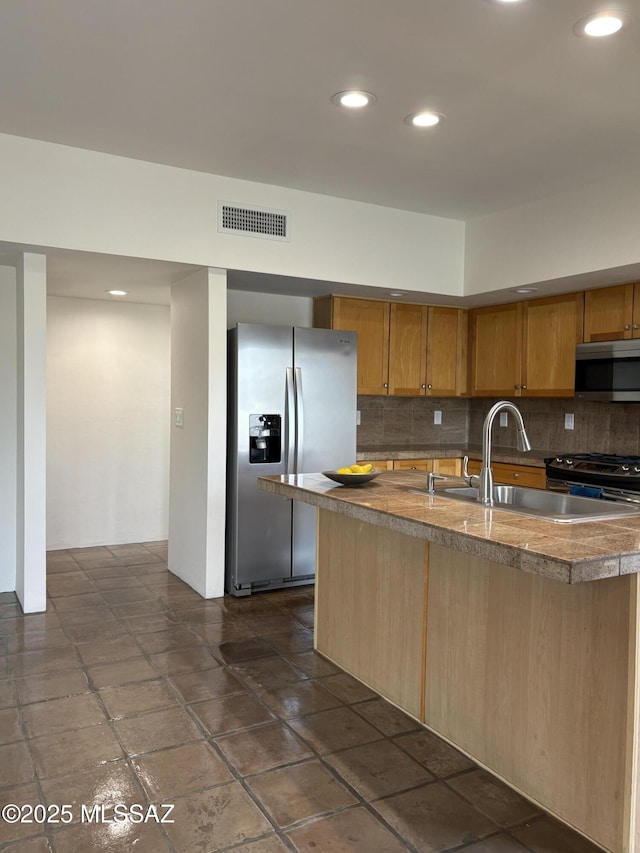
x=521 y=475
x=447 y=467
x=379 y=464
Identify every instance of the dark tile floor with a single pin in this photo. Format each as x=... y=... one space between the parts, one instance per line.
x=131 y=689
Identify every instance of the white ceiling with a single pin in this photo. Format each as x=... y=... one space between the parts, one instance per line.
x=243 y=88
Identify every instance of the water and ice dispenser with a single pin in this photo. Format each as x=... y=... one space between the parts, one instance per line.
x=265 y=444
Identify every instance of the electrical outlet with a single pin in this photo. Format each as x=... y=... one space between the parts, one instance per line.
x=437 y=417
x=569 y=421
x=179 y=417
x=504 y=418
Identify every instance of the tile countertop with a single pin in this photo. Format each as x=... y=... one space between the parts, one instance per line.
x=569 y=553
x=508 y=455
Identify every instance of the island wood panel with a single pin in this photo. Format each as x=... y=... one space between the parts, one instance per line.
x=532 y=679
x=371 y=606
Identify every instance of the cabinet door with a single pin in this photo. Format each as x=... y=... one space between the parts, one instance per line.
x=448 y=467
x=370 y=319
x=551 y=328
x=446 y=331
x=608 y=313
x=407 y=349
x=496 y=350
x=635 y=324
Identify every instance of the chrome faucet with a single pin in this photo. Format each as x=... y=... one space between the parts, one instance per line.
x=485 y=490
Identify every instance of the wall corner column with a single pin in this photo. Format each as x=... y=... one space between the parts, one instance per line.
x=31 y=316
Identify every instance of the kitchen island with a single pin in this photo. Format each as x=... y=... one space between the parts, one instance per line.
x=513 y=638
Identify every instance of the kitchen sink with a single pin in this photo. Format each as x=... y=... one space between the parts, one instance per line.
x=552 y=506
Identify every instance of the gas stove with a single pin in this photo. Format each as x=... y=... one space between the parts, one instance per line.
x=617 y=476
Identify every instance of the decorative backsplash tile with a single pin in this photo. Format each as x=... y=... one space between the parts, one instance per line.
x=599 y=427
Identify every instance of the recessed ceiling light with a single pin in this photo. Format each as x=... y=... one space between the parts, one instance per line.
x=525 y=290
x=397 y=293
x=427 y=118
x=117 y=292
x=601 y=24
x=354 y=99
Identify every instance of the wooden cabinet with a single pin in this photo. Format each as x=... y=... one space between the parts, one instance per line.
x=496 y=350
x=451 y=467
x=520 y=475
x=379 y=464
x=526 y=349
x=612 y=313
x=413 y=465
x=448 y=467
x=370 y=319
x=403 y=349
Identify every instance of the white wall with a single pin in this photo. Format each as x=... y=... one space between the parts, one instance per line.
x=198 y=449
x=585 y=230
x=53 y=195
x=272 y=309
x=108 y=407
x=8 y=428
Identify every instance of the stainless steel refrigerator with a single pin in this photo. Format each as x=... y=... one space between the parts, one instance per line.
x=292 y=409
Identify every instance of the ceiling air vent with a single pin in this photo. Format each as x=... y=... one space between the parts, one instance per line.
x=253 y=221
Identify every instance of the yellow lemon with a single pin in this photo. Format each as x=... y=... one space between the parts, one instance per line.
x=344 y=470
x=366 y=469
x=356 y=469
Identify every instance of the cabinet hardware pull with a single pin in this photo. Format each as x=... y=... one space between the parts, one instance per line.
x=431 y=386
x=424 y=386
x=634 y=325
x=516 y=387
x=524 y=387
x=386 y=385
x=626 y=327
x=515 y=475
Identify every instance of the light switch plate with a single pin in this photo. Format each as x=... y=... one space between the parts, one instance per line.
x=357 y=417
x=437 y=417
x=179 y=417
x=504 y=419
x=569 y=421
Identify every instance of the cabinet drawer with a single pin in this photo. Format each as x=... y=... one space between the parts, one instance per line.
x=413 y=465
x=523 y=475
x=379 y=464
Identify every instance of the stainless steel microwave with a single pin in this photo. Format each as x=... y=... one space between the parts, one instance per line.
x=608 y=371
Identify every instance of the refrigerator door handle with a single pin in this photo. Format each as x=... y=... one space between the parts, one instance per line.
x=299 y=422
x=290 y=424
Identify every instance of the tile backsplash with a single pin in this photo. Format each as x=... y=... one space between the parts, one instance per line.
x=599 y=427
x=409 y=420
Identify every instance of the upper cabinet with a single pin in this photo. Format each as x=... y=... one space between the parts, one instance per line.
x=526 y=349
x=612 y=313
x=403 y=349
x=370 y=319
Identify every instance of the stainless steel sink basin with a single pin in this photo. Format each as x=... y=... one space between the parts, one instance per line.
x=552 y=506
